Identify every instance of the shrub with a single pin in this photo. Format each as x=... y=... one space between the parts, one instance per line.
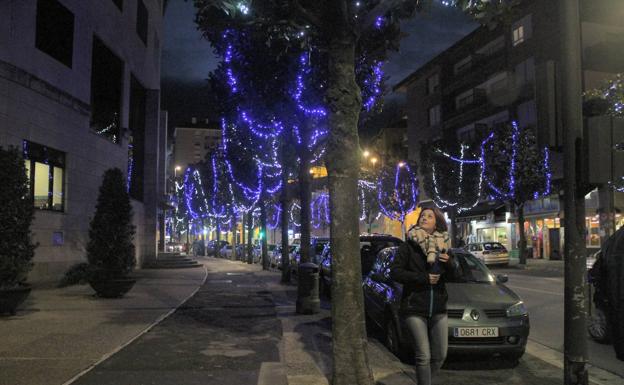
x=16 y=215
x=78 y=274
x=110 y=250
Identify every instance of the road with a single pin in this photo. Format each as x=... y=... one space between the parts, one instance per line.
x=542 y=292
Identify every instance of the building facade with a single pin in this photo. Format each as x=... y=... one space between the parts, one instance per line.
x=192 y=141
x=79 y=94
x=494 y=76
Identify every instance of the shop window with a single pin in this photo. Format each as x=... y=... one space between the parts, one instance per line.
x=142 y=21
x=106 y=91
x=55 y=31
x=45 y=168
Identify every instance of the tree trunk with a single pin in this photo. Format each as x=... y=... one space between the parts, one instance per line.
x=263 y=236
x=453 y=218
x=249 y=236
x=234 y=238
x=522 y=247
x=218 y=244
x=305 y=198
x=284 y=229
x=349 y=342
x=575 y=298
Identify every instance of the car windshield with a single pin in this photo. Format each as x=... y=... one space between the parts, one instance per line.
x=472 y=270
x=493 y=246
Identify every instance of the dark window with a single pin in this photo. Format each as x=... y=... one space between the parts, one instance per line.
x=106 y=91
x=142 y=18
x=55 y=31
x=119 y=4
x=136 y=151
x=45 y=168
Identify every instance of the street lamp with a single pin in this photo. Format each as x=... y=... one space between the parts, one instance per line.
x=373 y=161
x=366 y=153
x=175 y=171
x=401 y=164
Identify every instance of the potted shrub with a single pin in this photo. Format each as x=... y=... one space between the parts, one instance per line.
x=16 y=215
x=110 y=250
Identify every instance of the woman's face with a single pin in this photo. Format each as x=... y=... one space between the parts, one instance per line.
x=427 y=221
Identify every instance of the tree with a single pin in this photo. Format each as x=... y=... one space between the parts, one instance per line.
x=347 y=31
x=516 y=170
x=397 y=190
x=110 y=250
x=453 y=177
x=16 y=215
x=368 y=199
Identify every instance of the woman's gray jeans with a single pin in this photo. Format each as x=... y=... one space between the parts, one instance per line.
x=430 y=337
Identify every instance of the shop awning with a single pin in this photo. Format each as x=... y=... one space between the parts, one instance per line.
x=480 y=212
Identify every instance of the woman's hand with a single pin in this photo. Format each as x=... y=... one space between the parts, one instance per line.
x=434 y=278
x=444 y=258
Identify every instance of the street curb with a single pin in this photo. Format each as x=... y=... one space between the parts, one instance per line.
x=553 y=357
x=149 y=327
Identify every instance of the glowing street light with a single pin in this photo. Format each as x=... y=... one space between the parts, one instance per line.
x=175 y=171
x=373 y=160
x=366 y=153
x=401 y=164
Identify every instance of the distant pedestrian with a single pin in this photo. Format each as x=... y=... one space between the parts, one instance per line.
x=424 y=296
x=610 y=277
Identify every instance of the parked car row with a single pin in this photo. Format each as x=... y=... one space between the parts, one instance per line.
x=489 y=253
x=484 y=316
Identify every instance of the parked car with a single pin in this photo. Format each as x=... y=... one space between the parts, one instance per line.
x=211 y=246
x=174 y=247
x=484 y=316
x=490 y=253
x=227 y=251
x=370 y=246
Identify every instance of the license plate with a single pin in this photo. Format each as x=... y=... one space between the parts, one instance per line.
x=475 y=332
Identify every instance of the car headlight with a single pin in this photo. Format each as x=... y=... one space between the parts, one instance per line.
x=517 y=310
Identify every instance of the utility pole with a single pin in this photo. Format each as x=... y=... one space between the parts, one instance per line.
x=575 y=303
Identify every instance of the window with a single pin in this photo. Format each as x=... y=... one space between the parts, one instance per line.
x=55 y=31
x=434 y=116
x=465 y=99
x=106 y=91
x=521 y=30
x=433 y=84
x=142 y=21
x=492 y=47
x=45 y=168
x=136 y=159
x=119 y=4
x=525 y=72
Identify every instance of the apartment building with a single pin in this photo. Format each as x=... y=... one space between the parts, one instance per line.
x=493 y=76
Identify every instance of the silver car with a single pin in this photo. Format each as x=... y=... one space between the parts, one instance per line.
x=484 y=316
x=490 y=253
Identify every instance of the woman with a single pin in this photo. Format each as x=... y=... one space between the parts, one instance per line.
x=424 y=297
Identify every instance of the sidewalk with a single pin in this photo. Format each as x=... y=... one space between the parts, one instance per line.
x=58 y=333
x=240 y=328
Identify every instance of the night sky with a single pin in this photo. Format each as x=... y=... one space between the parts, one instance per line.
x=187 y=58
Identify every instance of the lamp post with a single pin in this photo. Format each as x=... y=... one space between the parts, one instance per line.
x=175 y=171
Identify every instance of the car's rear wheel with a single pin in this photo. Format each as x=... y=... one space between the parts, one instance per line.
x=391 y=339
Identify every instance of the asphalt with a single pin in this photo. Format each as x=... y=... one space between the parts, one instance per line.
x=239 y=328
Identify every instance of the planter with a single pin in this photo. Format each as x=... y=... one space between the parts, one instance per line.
x=112 y=288
x=11 y=298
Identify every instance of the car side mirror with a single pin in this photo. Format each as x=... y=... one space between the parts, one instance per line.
x=502 y=278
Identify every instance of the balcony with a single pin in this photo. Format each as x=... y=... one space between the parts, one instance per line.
x=483 y=66
x=482 y=106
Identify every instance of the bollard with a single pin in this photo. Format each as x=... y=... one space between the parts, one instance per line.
x=308 y=301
